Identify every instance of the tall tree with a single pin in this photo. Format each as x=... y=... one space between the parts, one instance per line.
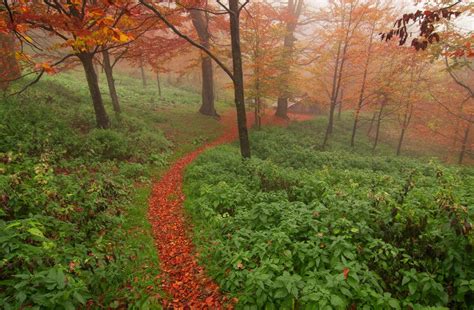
x=108 y=69
x=260 y=34
x=350 y=14
x=200 y=21
x=293 y=11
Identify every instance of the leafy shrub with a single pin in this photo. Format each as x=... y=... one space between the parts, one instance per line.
x=108 y=144
x=64 y=191
x=297 y=228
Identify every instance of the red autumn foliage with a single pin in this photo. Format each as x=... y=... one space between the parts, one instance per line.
x=183 y=279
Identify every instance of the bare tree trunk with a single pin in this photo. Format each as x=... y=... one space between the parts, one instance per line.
x=282 y=107
x=142 y=70
x=406 y=122
x=295 y=8
x=369 y=131
x=330 y=125
x=464 y=143
x=400 y=141
x=97 y=71
x=377 y=128
x=207 y=93
x=110 y=81
x=258 y=113
x=238 y=78
x=332 y=104
x=258 y=110
x=200 y=23
x=158 y=83
x=341 y=99
x=362 y=88
x=87 y=60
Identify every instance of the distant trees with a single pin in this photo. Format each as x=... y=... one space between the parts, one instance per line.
x=349 y=16
x=233 y=10
x=325 y=54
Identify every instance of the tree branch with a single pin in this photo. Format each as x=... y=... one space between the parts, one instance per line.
x=187 y=38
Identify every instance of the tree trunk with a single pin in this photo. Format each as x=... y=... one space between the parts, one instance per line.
x=369 y=131
x=400 y=141
x=142 y=70
x=238 y=78
x=207 y=93
x=377 y=128
x=258 y=104
x=282 y=107
x=110 y=81
x=97 y=71
x=158 y=83
x=87 y=60
x=464 y=143
x=406 y=122
x=362 y=88
x=294 y=9
x=332 y=104
x=355 y=125
x=200 y=23
x=339 y=109
x=8 y=64
x=258 y=114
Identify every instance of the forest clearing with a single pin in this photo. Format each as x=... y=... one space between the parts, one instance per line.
x=299 y=154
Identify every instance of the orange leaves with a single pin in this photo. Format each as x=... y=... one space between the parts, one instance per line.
x=46 y=68
x=346 y=273
x=119 y=36
x=183 y=279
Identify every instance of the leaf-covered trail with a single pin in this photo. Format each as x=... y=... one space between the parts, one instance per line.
x=183 y=280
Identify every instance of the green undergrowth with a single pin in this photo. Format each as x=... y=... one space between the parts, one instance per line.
x=73 y=199
x=297 y=227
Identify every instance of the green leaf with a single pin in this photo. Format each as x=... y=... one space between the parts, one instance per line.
x=36 y=232
x=394 y=304
x=405 y=280
x=336 y=301
x=79 y=297
x=346 y=292
x=281 y=293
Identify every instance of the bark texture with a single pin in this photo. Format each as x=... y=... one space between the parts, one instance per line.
x=102 y=119
x=110 y=81
x=201 y=23
x=238 y=78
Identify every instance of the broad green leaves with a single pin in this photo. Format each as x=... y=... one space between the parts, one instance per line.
x=328 y=230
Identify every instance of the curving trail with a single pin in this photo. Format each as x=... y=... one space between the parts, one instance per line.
x=182 y=278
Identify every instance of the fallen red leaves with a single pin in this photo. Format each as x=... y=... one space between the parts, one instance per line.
x=183 y=279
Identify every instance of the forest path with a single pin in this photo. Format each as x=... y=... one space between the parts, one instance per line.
x=183 y=280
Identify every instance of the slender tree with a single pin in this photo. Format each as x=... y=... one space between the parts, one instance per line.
x=293 y=10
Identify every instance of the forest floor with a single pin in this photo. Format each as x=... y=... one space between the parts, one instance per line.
x=183 y=280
